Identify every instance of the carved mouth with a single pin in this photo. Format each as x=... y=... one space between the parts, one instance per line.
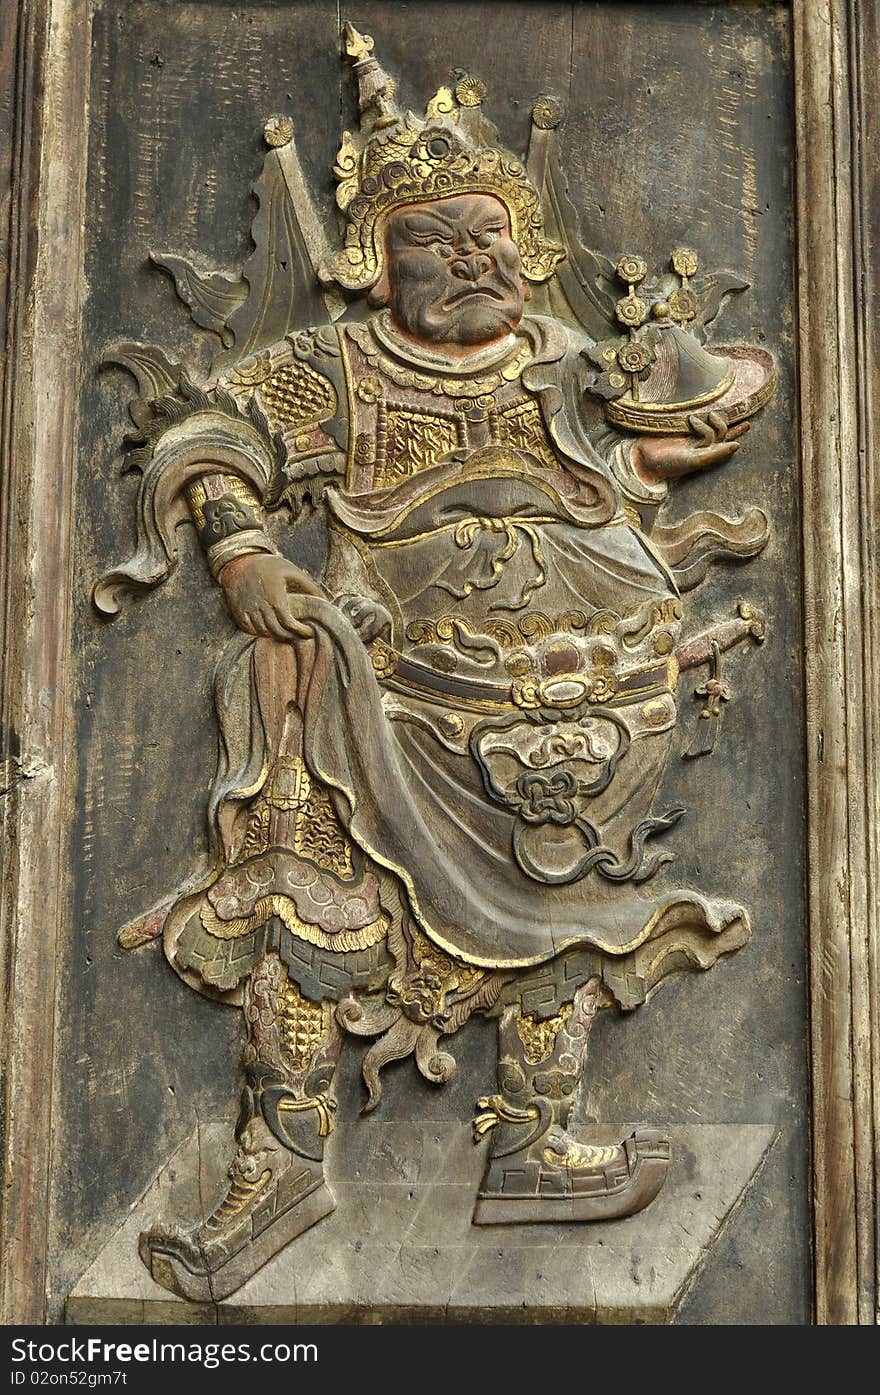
x=471 y=291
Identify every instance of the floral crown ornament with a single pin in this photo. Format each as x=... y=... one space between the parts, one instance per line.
x=399 y=159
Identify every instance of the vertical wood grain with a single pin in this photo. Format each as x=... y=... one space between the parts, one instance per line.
x=840 y=658
x=39 y=451
x=864 y=36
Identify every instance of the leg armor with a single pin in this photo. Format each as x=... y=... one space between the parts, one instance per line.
x=537 y=1170
x=276 y=1179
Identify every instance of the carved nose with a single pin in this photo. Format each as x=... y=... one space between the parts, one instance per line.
x=471 y=268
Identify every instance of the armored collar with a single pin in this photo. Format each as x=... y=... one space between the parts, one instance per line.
x=425 y=359
x=397 y=360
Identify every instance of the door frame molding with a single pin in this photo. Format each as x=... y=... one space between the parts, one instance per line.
x=837 y=265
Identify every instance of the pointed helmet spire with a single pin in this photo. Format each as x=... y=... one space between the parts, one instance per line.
x=375 y=88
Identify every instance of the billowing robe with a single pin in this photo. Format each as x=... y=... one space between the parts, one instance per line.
x=488 y=765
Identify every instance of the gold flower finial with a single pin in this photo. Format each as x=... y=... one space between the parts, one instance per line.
x=546 y=114
x=278 y=131
x=684 y=263
x=470 y=92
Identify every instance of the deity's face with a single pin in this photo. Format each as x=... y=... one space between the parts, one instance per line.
x=453 y=277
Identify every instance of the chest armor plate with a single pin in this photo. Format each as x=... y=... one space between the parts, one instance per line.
x=405 y=420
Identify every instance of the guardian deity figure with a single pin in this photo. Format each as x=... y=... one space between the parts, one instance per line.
x=440 y=754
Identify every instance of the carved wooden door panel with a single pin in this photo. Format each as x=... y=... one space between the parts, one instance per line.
x=436 y=637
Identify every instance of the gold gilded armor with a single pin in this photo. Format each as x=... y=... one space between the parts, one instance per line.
x=303 y=1025
x=408 y=441
x=522 y=426
x=538 y=1036
x=406 y=418
x=311 y=826
x=296 y=395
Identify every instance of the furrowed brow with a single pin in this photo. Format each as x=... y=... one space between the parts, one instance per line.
x=427 y=225
x=489 y=221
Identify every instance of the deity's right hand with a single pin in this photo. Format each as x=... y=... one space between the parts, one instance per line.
x=257 y=588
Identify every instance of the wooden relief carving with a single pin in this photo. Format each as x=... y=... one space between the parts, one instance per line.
x=439 y=759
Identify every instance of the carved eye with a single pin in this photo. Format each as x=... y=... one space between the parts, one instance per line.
x=442 y=249
x=485 y=239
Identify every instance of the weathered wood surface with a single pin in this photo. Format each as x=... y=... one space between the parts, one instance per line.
x=679 y=127
x=403 y=1178
x=175 y=140
x=837 y=265
x=40 y=419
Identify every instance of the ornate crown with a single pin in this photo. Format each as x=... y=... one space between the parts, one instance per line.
x=399 y=159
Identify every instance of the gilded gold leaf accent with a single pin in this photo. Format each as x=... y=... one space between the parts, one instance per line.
x=285 y=909
x=522 y=427
x=414 y=441
x=303 y=1024
x=296 y=395
x=582 y=1155
x=538 y=1036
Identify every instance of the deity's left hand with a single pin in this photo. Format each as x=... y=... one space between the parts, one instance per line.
x=668 y=457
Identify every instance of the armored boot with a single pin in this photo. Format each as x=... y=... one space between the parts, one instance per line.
x=537 y=1170
x=276 y=1179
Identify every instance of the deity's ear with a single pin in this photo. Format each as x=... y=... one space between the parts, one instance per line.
x=380 y=294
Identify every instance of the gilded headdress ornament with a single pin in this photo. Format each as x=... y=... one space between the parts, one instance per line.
x=398 y=158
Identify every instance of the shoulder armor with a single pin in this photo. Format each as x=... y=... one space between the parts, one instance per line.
x=295 y=382
x=296 y=395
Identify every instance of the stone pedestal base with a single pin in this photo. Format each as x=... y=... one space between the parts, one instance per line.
x=400 y=1246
